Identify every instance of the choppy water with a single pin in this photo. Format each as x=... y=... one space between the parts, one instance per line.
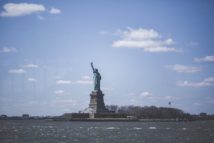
x=30 y=131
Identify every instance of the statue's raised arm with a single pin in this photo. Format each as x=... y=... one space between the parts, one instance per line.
x=92 y=66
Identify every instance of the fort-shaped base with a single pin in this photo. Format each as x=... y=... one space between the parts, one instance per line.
x=97 y=104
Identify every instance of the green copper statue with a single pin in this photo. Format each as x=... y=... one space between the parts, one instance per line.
x=97 y=78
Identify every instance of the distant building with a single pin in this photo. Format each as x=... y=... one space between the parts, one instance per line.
x=25 y=116
x=3 y=116
x=203 y=114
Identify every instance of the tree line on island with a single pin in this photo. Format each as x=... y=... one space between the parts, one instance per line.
x=138 y=112
x=153 y=112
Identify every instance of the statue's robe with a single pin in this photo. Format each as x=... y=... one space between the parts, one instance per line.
x=97 y=78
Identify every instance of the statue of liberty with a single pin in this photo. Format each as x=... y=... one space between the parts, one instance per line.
x=97 y=78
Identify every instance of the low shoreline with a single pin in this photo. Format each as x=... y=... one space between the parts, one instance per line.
x=128 y=120
x=103 y=120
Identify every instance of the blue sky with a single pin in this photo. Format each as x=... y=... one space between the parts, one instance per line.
x=148 y=53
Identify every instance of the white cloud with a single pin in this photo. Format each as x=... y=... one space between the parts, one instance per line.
x=8 y=50
x=168 y=97
x=59 y=92
x=205 y=59
x=55 y=10
x=83 y=82
x=63 y=82
x=40 y=17
x=74 y=82
x=184 y=69
x=31 y=79
x=63 y=101
x=68 y=103
x=147 y=39
x=103 y=32
x=86 y=77
x=21 y=9
x=193 y=44
x=146 y=94
x=143 y=97
x=30 y=66
x=206 y=82
x=17 y=71
x=107 y=88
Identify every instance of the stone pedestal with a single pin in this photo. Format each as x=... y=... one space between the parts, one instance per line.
x=97 y=102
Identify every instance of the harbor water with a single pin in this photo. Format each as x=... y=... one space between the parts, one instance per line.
x=40 y=131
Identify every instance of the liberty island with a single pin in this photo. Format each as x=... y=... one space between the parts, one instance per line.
x=96 y=109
